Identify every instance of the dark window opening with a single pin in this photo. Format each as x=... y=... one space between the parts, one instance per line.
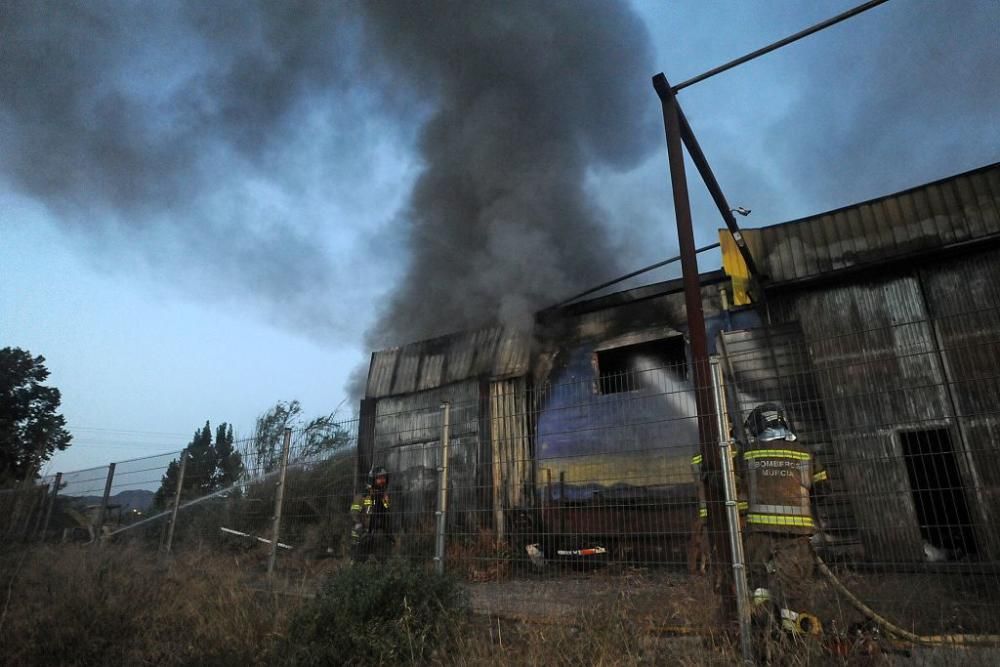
x=656 y=364
x=938 y=495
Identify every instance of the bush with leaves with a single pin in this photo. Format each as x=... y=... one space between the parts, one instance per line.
x=376 y=614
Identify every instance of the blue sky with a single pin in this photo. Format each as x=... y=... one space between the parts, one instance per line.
x=152 y=320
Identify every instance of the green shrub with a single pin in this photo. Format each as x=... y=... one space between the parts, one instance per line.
x=376 y=614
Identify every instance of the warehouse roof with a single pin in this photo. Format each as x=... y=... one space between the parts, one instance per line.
x=950 y=212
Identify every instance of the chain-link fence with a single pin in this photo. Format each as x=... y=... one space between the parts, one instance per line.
x=607 y=492
x=902 y=419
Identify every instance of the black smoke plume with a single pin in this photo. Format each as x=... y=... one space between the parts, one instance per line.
x=161 y=123
x=525 y=96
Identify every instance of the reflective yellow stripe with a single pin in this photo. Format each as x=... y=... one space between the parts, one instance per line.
x=368 y=502
x=741 y=506
x=776 y=454
x=780 y=520
x=355 y=506
x=820 y=476
x=696 y=460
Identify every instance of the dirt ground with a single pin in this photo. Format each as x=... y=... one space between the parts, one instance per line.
x=651 y=597
x=927 y=605
x=661 y=597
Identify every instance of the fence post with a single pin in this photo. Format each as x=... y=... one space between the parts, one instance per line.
x=442 y=502
x=99 y=524
x=278 y=502
x=52 y=502
x=177 y=502
x=43 y=502
x=732 y=515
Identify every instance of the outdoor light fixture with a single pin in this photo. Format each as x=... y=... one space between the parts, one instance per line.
x=742 y=211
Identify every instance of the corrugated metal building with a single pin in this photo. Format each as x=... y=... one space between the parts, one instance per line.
x=478 y=373
x=566 y=413
x=881 y=325
x=896 y=304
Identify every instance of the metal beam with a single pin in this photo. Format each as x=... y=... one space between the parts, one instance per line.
x=708 y=176
x=621 y=279
x=704 y=395
x=780 y=43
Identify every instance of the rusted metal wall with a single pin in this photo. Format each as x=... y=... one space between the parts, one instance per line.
x=511 y=459
x=407 y=437
x=494 y=352
x=877 y=372
x=963 y=298
x=911 y=348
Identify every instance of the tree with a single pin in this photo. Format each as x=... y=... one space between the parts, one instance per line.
x=324 y=434
x=229 y=463
x=210 y=466
x=269 y=432
x=320 y=435
x=31 y=429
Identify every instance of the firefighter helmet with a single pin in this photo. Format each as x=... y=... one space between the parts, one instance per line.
x=378 y=477
x=767 y=422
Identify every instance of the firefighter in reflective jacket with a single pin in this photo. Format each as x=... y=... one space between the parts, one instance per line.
x=781 y=475
x=698 y=548
x=370 y=515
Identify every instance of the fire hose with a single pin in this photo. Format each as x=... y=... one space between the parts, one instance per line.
x=892 y=628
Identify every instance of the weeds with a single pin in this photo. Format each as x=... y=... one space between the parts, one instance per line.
x=376 y=614
x=83 y=606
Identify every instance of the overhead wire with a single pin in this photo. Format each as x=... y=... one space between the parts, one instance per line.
x=822 y=25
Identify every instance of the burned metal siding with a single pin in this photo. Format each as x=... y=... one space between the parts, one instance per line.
x=511 y=457
x=626 y=453
x=878 y=373
x=407 y=442
x=494 y=352
x=632 y=443
x=951 y=211
x=963 y=298
x=904 y=351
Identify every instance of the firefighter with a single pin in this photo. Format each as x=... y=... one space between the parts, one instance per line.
x=370 y=534
x=781 y=475
x=698 y=548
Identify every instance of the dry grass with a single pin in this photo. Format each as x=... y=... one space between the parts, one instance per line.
x=82 y=606
x=593 y=638
x=481 y=557
x=77 y=605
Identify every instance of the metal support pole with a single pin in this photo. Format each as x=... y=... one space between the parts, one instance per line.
x=279 y=502
x=733 y=518
x=714 y=189
x=442 y=504
x=177 y=502
x=562 y=505
x=707 y=424
x=52 y=501
x=99 y=525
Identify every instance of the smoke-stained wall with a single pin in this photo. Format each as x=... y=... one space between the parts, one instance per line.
x=631 y=433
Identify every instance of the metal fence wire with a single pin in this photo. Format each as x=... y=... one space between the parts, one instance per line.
x=594 y=493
